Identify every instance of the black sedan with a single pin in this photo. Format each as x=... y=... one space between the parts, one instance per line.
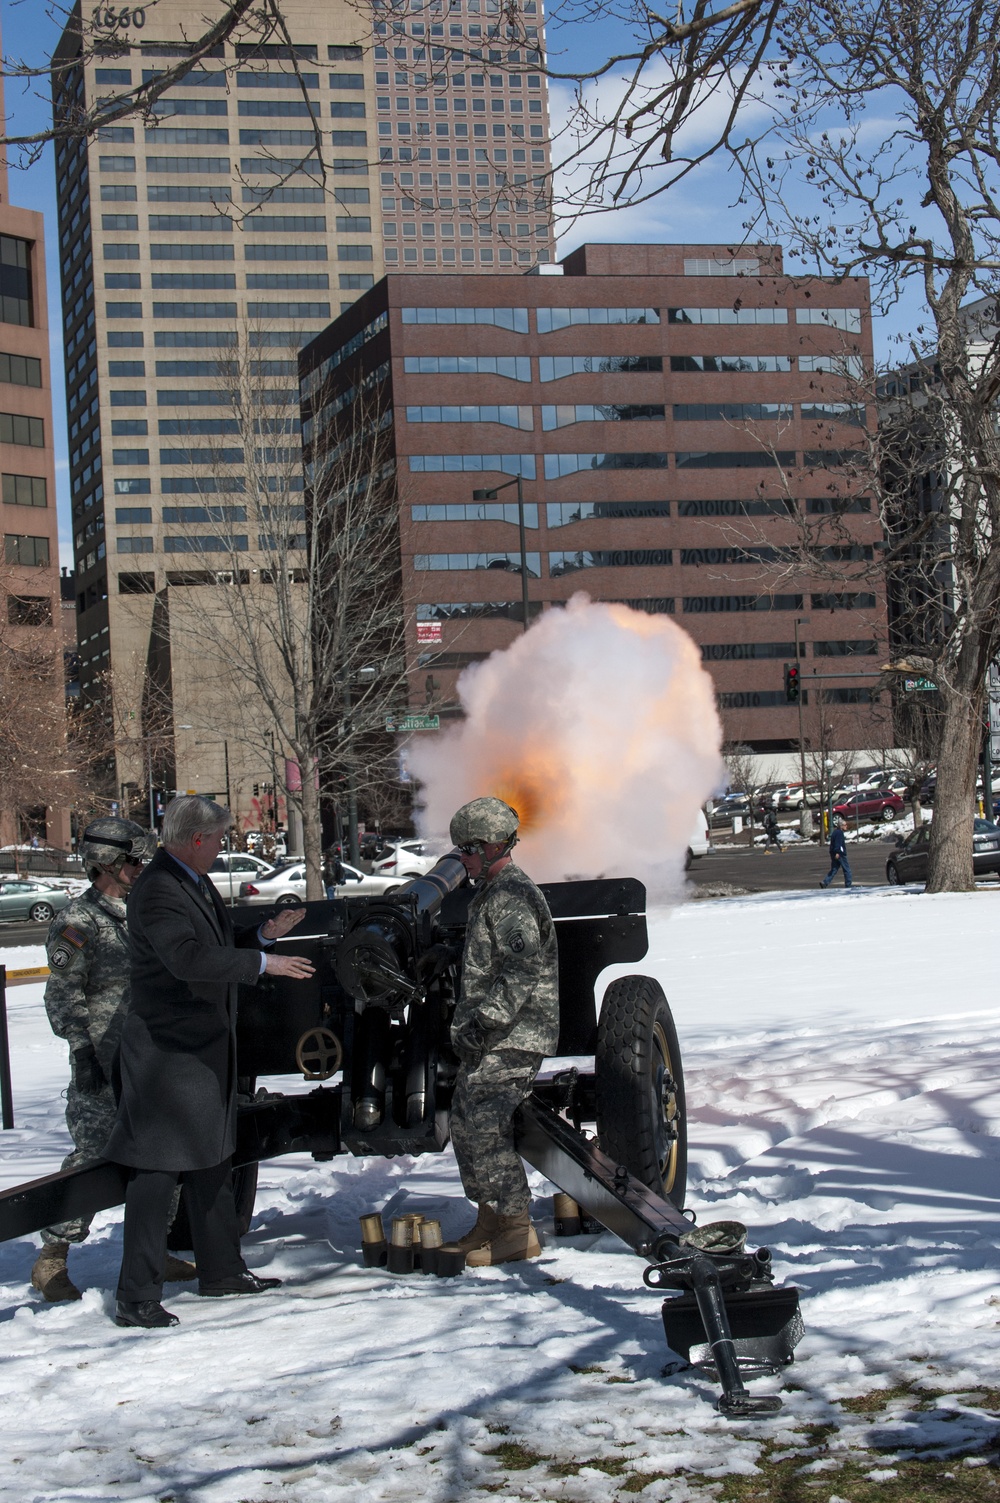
x=908 y=862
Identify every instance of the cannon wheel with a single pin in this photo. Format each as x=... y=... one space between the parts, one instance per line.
x=641 y=1119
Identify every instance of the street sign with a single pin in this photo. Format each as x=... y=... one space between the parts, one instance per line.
x=428 y=631
x=396 y=724
x=994 y=712
x=924 y=684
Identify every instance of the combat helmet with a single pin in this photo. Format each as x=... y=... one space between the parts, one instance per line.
x=484 y=821
x=108 y=843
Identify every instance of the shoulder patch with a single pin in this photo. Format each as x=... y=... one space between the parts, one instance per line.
x=74 y=936
x=60 y=958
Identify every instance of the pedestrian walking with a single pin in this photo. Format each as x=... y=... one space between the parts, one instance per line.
x=771 y=830
x=838 y=855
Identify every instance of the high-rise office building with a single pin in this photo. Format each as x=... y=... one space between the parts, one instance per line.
x=679 y=419
x=32 y=643
x=208 y=232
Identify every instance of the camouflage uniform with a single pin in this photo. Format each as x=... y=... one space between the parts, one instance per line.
x=506 y=1022
x=86 y=998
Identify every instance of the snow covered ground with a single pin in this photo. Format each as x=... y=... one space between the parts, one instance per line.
x=842 y=1064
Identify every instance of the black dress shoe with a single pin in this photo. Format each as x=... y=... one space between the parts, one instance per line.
x=147 y=1313
x=238 y=1283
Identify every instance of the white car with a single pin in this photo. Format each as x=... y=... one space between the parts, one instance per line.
x=408 y=858
x=289 y=885
x=698 y=839
x=232 y=868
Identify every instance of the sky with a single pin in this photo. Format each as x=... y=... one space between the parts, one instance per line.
x=701 y=209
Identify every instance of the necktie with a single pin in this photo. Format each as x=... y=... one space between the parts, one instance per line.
x=206 y=891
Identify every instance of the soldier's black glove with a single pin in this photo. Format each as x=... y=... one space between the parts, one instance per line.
x=88 y=1077
x=469 y=1045
x=435 y=960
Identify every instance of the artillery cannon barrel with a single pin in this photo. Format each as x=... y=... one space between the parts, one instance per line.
x=433 y=887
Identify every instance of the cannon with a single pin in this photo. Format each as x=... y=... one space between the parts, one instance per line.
x=371 y=1029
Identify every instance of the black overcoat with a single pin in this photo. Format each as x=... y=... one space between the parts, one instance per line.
x=177 y=1108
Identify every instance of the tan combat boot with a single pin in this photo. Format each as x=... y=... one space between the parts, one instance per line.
x=178 y=1270
x=513 y=1238
x=49 y=1274
x=485 y=1227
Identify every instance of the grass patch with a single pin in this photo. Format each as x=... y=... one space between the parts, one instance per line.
x=879 y=1398
x=914 y=1482
x=514 y=1457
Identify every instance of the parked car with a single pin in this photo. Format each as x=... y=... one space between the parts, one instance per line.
x=288 y=885
x=798 y=795
x=871 y=804
x=909 y=861
x=406 y=858
x=24 y=898
x=697 y=840
x=232 y=868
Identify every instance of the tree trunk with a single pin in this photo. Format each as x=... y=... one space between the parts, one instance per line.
x=954 y=795
x=312 y=831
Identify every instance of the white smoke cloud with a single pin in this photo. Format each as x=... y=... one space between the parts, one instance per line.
x=599 y=726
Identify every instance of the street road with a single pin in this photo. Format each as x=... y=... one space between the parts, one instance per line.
x=22 y=934
x=800 y=866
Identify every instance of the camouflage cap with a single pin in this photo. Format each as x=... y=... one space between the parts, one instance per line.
x=486 y=820
x=109 y=842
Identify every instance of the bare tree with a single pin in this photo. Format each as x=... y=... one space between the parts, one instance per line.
x=305 y=625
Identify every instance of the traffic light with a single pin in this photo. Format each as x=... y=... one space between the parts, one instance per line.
x=256 y=790
x=792 y=685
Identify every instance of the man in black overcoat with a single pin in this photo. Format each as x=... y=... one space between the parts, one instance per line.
x=177 y=1109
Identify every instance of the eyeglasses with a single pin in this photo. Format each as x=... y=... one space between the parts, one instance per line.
x=473 y=848
x=138 y=861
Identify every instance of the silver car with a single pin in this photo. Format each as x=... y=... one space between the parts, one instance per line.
x=28 y=898
x=288 y=886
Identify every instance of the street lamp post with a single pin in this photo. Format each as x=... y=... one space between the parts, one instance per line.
x=491 y=495
x=801 y=621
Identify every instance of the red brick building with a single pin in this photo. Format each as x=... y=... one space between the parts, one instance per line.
x=676 y=414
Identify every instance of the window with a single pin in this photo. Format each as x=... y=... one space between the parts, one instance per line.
x=197 y=397
x=194 y=310
x=115 y=281
x=194 y=279
x=206 y=543
x=285 y=224
x=16 y=429
x=136 y=584
x=475 y=511
x=121 y=133
x=129 y=428
x=550 y=319
x=189 y=514
x=302 y=108
x=130 y=457
x=201 y=456
x=851 y=366
x=515 y=319
x=29 y=610
x=134 y=545
x=731 y=363
x=563 y=417
x=118 y=193
x=171 y=427
x=288 y=280
x=122 y=339
x=195 y=338
x=732 y=412
x=121 y=252
x=132 y=486
x=864 y=648
x=555 y=367
x=277 y=80
x=507 y=417
x=563 y=513
x=752 y=699
x=119 y=222
x=285 y=252
x=20 y=370
x=848 y=319
x=176 y=485
x=117 y=164
x=188 y=135
x=192 y=223
x=133 y=514
x=516 y=367
x=112 y=76
x=734 y=459
x=15 y=281
x=358 y=225
x=557 y=465
x=484 y=610
x=288 y=310
x=203 y=368
x=723 y=267
x=347 y=109
x=860 y=601
x=505 y=464
x=29 y=552
x=187 y=193
x=695 y=605
x=219 y=165
x=610 y=558
x=739 y=652
x=840 y=505
x=769 y=506
x=727 y=315
x=354 y=281
x=24 y=490
x=509 y=563
x=834 y=412
x=123 y=310
x=191 y=252
x=347 y=80
x=128 y=399
x=167 y=108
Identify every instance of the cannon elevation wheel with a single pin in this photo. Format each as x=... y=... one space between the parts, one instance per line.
x=640 y=1086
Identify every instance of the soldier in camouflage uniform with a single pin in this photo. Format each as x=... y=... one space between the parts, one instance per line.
x=506 y=1022
x=86 y=998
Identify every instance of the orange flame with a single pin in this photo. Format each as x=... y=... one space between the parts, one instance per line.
x=535 y=789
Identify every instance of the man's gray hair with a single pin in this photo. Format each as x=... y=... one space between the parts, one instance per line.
x=191 y=815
